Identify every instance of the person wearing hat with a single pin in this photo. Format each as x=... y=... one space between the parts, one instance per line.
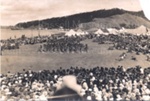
x=118 y=97
x=84 y=85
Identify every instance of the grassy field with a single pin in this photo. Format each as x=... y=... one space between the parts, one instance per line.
x=27 y=57
x=7 y=33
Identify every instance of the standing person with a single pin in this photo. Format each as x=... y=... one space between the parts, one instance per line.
x=0 y=51
x=148 y=57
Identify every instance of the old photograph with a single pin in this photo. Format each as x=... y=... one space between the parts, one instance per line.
x=74 y=50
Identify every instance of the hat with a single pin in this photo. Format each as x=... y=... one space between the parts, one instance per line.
x=20 y=81
x=16 y=81
x=118 y=97
x=100 y=80
x=110 y=81
x=123 y=80
x=89 y=98
x=93 y=78
x=51 y=82
x=25 y=75
x=111 y=99
x=30 y=75
x=115 y=87
x=90 y=89
x=55 y=76
x=91 y=74
x=3 y=82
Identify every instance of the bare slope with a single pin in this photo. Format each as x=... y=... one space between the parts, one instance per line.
x=117 y=21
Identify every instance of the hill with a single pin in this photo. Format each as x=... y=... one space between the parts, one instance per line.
x=77 y=20
x=116 y=21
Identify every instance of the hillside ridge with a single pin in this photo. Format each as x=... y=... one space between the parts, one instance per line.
x=73 y=21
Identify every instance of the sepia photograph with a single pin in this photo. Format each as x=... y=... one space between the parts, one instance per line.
x=74 y=50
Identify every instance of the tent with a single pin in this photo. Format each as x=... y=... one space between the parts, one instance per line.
x=80 y=32
x=112 y=31
x=86 y=33
x=105 y=33
x=139 y=30
x=122 y=30
x=71 y=33
x=99 y=31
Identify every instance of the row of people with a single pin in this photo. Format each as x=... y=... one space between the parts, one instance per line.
x=68 y=47
x=67 y=44
x=129 y=42
x=96 y=84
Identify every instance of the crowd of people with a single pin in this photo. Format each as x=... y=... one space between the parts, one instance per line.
x=97 y=84
x=65 y=44
x=129 y=42
x=9 y=44
x=53 y=43
x=15 y=43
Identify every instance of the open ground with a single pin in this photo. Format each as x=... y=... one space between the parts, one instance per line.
x=28 y=57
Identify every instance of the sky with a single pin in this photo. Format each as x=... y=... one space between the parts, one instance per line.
x=145 y=7
x=15 y=11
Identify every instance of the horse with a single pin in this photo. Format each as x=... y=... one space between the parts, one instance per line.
x=122 y=56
